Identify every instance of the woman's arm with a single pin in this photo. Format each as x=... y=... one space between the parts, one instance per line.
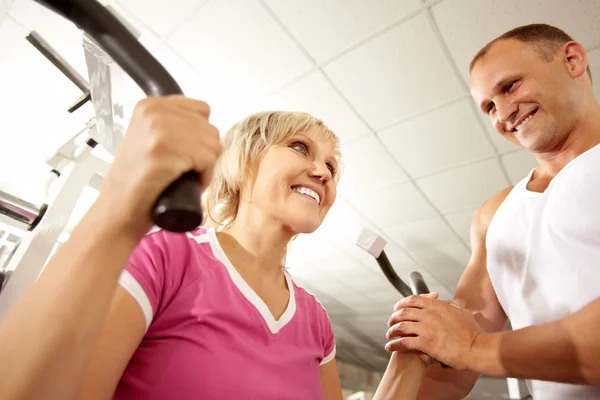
x=402 y=378
x=49 y=334
x=330 y=381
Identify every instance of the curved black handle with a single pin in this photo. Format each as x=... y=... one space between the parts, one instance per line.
x=391 y=275
x=178 y=208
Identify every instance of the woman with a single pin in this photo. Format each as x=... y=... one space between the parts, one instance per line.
x=211 y=313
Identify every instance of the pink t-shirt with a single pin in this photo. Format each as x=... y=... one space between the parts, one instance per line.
x=209 y=335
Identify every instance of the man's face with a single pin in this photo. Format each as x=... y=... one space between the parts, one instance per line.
x=528 y=99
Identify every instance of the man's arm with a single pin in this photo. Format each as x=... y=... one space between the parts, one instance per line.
x=567 y=350
x=475 y=293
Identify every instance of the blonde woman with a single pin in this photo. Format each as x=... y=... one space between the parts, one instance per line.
x=210 y=314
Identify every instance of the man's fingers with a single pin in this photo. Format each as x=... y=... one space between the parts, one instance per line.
x=402 y=329
x=414 y=302
x=405 y=314
x=403 y=344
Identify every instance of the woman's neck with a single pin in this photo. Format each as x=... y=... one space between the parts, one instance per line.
x=255 y=244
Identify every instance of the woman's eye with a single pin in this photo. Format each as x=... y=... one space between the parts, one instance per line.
x=300 y=147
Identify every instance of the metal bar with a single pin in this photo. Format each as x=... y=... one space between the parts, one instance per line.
x=59 y=62
x=18 y=209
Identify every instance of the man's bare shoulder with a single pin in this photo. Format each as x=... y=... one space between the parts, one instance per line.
x=486 y=212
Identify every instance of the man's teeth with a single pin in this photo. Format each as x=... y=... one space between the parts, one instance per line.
x=518 y=127
x=308 y=192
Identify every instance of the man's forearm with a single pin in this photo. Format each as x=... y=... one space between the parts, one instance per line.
x=48 y=335
x=402 y=378
x=563 y=351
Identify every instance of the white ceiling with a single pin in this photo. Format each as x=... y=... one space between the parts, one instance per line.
x=389 y=76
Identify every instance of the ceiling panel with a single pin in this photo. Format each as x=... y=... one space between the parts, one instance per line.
x=425 y=234
x=393 y=205
x=467 y=25
x=324 y=28
x=502 y=145
x=251 y=60
x=444 y=138
x=163 y=17
x=397 y=74
x=315 y=95
x=463 y=187
x=367 y=166
x=461 y=223
x=518 y=164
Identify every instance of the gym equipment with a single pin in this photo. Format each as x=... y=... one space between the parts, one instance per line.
x=21 y=210
x=374 y=244
x=178 y=207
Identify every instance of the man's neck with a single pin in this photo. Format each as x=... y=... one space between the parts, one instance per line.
x=584 y=136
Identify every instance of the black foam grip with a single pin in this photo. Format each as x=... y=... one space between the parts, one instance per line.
x=417 y=283
x=178 y=207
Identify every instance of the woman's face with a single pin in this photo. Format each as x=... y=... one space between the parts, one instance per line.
x=293 y=182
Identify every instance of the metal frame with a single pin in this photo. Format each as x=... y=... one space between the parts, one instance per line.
x=36 y=246
x=74 y=164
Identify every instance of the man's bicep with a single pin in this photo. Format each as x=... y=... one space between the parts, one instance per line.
x=475 y=291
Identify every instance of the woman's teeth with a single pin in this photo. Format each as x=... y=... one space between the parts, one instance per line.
x=308 y=192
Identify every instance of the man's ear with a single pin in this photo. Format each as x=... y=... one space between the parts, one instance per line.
x=575 y=58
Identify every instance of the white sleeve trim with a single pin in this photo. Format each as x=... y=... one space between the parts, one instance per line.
x=330 y=357
x=131 y=285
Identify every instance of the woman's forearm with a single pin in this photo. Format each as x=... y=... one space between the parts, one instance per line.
x=47 y=336
x=402 y=378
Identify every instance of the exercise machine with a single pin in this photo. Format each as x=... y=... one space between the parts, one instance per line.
x=79 y=162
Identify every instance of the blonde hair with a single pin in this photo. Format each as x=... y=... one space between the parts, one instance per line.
x=242 y=146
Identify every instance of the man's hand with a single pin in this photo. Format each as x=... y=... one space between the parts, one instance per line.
x=440 y=329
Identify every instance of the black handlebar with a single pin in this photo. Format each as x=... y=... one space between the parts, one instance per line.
x=178 y=208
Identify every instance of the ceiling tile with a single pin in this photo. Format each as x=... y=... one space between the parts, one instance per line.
x=325 y=28
x=468 y=25
x=445 y=263
x=518 y=164
x=461 y=222
x=393 y=205
x=446 y=137
x=594 y=63
x=367 y=166
x=250 y=60
x=398 y=257
x=392 y=83
x=163 y=16
x=463 y=187
x=423 y=234
x=225 y=109
x=315 y=95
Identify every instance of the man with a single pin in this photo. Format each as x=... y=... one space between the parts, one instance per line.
x=535 y=246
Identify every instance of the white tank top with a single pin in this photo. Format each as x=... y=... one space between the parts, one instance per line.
x=543 y=254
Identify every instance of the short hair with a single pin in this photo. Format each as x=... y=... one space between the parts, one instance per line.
x=242 y=145
x=545 y=39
